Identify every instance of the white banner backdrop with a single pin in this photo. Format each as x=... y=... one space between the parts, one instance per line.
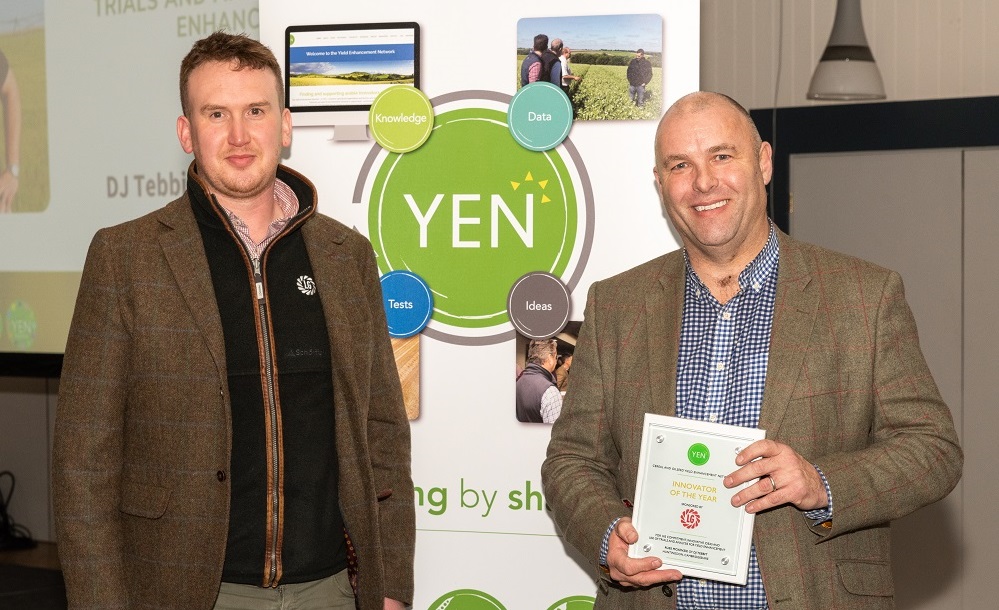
x=484 y=538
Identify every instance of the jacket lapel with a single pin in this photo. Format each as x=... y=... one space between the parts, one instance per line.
x=663 y=312
x=335 y=290
x=185 y=255
x=795 y=312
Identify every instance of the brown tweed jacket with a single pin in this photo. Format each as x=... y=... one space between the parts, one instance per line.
x=847 y=387
x=143 y=438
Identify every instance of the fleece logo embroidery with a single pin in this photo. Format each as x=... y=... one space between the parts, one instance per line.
x=305 y=285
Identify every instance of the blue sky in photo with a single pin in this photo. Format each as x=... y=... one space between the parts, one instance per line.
x=596 y=32
x=21 y=14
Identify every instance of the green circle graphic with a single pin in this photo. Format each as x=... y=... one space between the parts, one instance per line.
x=401 y=118
x=698 y=454
x=575 y=602
x=21 y=325
x=470 y=212
x=466 y=599
x=540 y=116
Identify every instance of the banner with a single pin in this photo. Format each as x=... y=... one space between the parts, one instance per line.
x=496 y=195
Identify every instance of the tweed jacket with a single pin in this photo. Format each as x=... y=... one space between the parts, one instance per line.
x=847 y=387
x=143 y=432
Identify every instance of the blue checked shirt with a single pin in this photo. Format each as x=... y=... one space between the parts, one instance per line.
x=721 y=373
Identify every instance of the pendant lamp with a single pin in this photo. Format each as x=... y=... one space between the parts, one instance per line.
x=847 y=70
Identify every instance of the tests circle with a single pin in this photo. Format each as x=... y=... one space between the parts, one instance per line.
x=408 y=303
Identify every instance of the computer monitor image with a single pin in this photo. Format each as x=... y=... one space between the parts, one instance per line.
x=333 y=72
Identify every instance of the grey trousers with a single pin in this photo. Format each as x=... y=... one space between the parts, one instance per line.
x=333 y=593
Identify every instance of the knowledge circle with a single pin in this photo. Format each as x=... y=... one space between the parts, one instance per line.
x=401 y=118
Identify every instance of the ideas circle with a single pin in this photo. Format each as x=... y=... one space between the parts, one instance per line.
x=538 y=305
x=401 y=118
x=540 y=116
x=408 y=303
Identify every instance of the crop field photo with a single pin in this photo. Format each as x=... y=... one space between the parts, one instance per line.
x=611 y=65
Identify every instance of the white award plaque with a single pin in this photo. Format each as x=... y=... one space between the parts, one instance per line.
x=683 y=512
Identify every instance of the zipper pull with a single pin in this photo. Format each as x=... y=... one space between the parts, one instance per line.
x=259 y=279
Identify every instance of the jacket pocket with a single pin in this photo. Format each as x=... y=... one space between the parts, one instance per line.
x=149 y=501
x=833 y=383
x=866 y=578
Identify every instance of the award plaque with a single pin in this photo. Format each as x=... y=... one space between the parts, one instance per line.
x=683 y=512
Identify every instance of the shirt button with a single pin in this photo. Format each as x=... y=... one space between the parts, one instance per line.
x=756 y=285
x=720 y=366
x=727 y=315
x=702 y=582
x=713 y=418
x=220 y=475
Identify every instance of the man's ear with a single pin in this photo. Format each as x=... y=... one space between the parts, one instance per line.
x=766 y=162
x=184 y=134
x=286 y=128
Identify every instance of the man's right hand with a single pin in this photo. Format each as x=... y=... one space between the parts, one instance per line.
x=629 y=571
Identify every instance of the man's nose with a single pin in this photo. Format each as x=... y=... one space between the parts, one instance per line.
x=238 y=132
x=705 y=180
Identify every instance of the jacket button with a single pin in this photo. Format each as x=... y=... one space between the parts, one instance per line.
x=220 y=475
x=667 y=591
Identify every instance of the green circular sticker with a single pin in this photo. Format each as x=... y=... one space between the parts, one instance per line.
x=21 y=325
x=576 y=602
x=698 y=454
x=466 y=599
x=401 y=118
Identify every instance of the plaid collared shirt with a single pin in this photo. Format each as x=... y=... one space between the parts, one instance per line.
x=721 y=372
x=286 y=199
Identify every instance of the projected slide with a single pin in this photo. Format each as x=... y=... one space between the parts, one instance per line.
x=89 y=99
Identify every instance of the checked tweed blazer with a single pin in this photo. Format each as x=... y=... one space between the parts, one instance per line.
x=847 y=387
x=143 y=437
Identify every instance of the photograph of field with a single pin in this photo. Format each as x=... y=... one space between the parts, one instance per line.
x=321 y=74
x=602 y=47
x=22 y=40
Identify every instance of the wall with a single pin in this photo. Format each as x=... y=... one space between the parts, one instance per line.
x=763 y=52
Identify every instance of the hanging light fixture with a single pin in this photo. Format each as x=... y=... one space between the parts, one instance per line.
x=847 y=70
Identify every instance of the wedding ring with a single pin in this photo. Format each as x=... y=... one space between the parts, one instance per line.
x=772 y=483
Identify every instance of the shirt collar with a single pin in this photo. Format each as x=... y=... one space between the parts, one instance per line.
x=754 y=275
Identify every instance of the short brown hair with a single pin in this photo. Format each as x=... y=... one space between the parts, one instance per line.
x=238 y=49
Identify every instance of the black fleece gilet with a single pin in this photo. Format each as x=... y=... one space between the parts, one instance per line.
x=310 y=529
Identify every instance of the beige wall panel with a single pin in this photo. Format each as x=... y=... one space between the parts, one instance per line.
x=981 y=365
x=903 y=210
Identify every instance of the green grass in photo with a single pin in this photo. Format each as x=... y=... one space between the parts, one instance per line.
x=602 y=92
